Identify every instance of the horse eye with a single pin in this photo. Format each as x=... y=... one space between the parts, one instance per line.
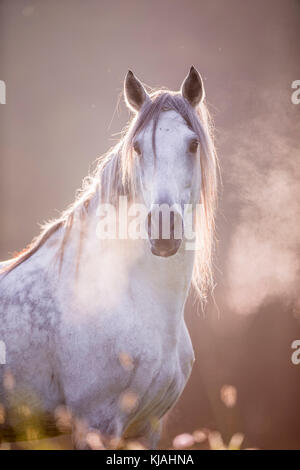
x=137 y=148
x=193 y=147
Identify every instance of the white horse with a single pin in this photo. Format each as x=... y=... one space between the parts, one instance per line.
x=97 y=325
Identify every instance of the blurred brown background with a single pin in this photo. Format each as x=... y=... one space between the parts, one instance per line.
x=63 y=62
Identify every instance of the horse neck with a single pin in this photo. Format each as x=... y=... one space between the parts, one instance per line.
x=168 y=279
x=117 y=266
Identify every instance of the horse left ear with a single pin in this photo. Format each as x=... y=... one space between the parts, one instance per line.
x=192 y=88
x=135 y=93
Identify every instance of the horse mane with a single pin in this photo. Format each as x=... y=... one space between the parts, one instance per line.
x=115 y=175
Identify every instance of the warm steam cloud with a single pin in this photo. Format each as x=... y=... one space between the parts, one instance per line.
x=264 y=172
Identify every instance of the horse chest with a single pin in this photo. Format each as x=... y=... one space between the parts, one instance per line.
x=161 y=374
x=138 y=365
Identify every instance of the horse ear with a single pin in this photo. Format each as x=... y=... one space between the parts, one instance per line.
x=192 y=88
x=135 y=93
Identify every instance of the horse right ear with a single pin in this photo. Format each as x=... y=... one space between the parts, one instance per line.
x=135 y=93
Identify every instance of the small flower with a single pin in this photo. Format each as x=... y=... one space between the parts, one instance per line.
x=199 y=436
x=2 y=414
x=183 y=441
x=134 y=445
x=215 y=441
x=63 y=418
x=229 y=395
x=128 y=401
x=126 y=361
x=236 y=441
x=94 y=441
